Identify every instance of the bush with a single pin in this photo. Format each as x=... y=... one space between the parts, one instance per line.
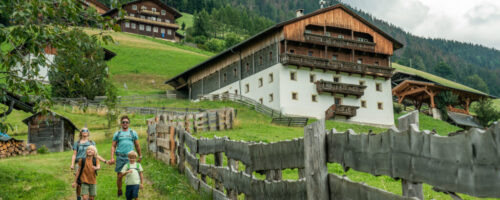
x=215 y=45
x=43 y=150
x=398 y=108
x=486 y=112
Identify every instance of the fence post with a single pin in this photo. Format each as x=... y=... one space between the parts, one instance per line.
x=315 y=161
x=218 y=160
x=182 y=155
x=172 y=145
x=233 y=166
x=410 y=189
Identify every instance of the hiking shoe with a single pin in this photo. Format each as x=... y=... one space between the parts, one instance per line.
x=120 y=193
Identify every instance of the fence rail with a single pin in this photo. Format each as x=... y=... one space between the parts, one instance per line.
x=466 y=163
x=276 y=115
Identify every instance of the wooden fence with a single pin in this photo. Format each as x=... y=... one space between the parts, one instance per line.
x=276 y=115
x=465 y=163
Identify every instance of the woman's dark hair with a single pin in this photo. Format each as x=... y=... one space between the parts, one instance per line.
x=124 y=117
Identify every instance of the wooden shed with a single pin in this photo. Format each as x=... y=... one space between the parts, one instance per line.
x=54 y=131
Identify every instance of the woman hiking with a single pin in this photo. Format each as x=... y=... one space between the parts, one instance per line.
x=80 y=152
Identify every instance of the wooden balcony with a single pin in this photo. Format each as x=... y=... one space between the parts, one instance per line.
x=339 y=42
x=149 y=12
x=340 y=110
x=153 y=22
x=340 y=88
x=335 y=65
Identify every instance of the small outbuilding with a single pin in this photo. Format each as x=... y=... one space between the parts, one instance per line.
x=51 y=130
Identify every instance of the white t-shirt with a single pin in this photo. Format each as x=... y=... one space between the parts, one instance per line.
x=132 y=178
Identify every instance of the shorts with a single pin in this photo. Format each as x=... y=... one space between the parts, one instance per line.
x=132 y=192
x=89 y=189
x=120 y=162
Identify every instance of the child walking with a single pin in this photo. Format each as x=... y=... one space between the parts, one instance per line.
x=133 y=176
x=86 y=174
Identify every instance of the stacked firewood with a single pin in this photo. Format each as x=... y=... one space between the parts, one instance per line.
x=15 y=148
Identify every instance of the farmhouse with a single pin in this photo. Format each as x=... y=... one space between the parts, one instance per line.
x=330 y=63
x=150 y=18
x=98 y=6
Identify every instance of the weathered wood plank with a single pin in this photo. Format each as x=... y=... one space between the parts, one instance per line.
x=209 y=146
x=279 y=155
x=163 y=142
x=315 y=161
x=192 y=160
x=191 y=142
x=238 y=150
x=193 y=180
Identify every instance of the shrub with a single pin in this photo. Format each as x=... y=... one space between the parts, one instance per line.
x=215 y=45
x=43 y=150
x=398 y=108
x=486 y=112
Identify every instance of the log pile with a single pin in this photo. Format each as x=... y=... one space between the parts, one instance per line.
x=16 y=147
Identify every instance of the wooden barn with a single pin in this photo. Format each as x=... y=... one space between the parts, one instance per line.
x=51 y=130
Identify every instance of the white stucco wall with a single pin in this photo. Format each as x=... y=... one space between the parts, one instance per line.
x=255 y=91
x=43 y=73
x=282 y=88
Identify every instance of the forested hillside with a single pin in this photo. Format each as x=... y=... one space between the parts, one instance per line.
x=453 y=60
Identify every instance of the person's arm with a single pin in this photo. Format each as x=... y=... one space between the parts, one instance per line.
x=97 y=165
x=142 y=180
x=76 y=176
x=113 y=148
x=73 y=158
x=138 y=148
x=102 y=159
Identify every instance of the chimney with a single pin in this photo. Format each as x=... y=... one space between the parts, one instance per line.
x=299 y=12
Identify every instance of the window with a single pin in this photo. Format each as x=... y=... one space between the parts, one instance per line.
x=314 y=98
x=361 y=83
x=148 y=28
x=270 y=56
x=155 y=29
x=376 y=63
x=235 y=73
x=132 y=14
x=153 y=9
x=380 y=106
x=143 y=17
x=312 y=78
x=378 y=87
x=163 y=12
x=292 y=51
x=362 y=39
x=169 y=31
x=271 y=97
x=141 y=27
x=363 y=103
x=360 y=61
x=334 y=57
x=271 y=78
x=153 y=18
x=134 y=7
x=308 y=31
x=133 y=25
x=338 y=101
x=327 y=33
x=340 y=36
x=158 y=19
x=247 y=67
x=261 y=100
x=295 y=96
x=260 y=82
x=224 y=77
x=162 y=30
x=260 y=60
x=144 y=8
x=127 y=25
x=247 y=88
x=336 y=79
x=293 y=76
x=310 y=53
x=235 y=91
x=167 y=20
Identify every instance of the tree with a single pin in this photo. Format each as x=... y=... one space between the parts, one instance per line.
x=444 y=99
x=486 y=112
x=80 y=69
x=183 y=26
x=477 y=82
x=444 y=70
x=111 y=103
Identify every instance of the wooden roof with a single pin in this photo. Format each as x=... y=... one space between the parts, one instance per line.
x=19 y=103
x=436 y=87
x=96 y=3
x=176 y=13
x=179 y=81
x=51 y=113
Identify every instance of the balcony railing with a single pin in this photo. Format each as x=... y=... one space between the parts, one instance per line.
x=339 y=42
x=149 y=12
x=149 y=21
x=335 y=65
x=340 y=88
x=340 y=110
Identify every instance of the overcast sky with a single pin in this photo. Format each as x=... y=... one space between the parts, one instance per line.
x=475 y=21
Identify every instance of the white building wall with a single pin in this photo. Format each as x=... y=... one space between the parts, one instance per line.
x=43 y=73
x=255 y=91
x=282 y=88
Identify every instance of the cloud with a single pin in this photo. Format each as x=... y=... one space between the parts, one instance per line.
x=483 y=13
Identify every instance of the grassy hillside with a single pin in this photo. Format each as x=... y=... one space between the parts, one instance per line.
x=187 y=19
x=434 y=78
x=143 y=64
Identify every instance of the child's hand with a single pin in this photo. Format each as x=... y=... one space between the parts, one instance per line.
x=72 y=166
x=73 y=185
x=142 y=186
x=96 y=168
